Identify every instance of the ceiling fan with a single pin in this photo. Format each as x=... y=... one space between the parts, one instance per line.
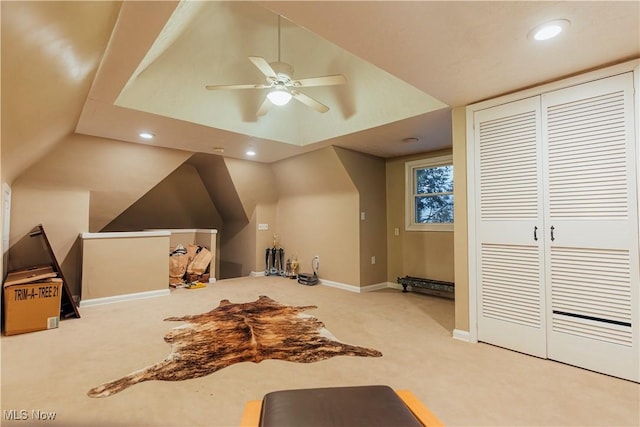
x=279 y=76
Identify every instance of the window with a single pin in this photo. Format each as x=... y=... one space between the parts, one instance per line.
x=429 y=194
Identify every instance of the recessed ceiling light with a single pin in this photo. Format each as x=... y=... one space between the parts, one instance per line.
x=549 y=30
x=251 y=153
x=411 y=139
x=146 y=135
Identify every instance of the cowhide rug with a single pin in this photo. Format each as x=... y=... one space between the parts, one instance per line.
x=233 y=333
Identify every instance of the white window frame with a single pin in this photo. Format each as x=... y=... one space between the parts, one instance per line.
x=409 y=210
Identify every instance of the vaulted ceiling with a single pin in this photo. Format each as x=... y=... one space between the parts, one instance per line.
x=406 y=64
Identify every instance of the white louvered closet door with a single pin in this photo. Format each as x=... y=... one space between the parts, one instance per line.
x=592 y=272
x=509 y=204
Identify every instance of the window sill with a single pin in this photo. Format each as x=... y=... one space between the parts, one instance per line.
x=429 y=227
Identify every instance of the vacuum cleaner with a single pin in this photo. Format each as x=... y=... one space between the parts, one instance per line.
x=310 y=279
x=274 y=262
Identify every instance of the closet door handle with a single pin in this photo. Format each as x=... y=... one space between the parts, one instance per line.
x=552 y=237
x=535 y=233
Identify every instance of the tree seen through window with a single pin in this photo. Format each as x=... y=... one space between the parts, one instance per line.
x=434 y=194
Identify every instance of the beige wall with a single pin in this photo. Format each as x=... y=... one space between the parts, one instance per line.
x=189 y=197
x=312 y=202
x=60 y=192
x=233 y=234
x=460 y=214
x=254 y=183
x=121 y=266
x=182 y=237
x=216 y=178
x=255 y=186
x=425 y=254
x=279 y=196
x=47 y=74
x=116 y=173
x=318 y=214
x=63 y=213
x=325 y=225
x=178 y=201
x=237 y=248
x=368 y=174
x=266 y=214
x=41 y=95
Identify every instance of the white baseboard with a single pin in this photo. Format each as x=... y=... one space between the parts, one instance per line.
x=394 y=285
x=262 y=274
x=461 y=335
x=353 y=288
x=125 y=297
x=374 y=287
x=212 y=280
x=343 y=286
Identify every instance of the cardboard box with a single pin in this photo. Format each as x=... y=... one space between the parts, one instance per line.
x=30 y=307
x=30 y=274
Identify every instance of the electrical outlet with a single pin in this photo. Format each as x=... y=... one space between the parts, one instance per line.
x=373 y=259
x=396 y=231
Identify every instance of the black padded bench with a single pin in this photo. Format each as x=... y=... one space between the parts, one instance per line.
x=357 y=406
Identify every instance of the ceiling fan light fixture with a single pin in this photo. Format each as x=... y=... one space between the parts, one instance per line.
x=279 y=97
x=280 y=84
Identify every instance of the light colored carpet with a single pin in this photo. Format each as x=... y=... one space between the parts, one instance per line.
x=462 y=383
x=231 y=333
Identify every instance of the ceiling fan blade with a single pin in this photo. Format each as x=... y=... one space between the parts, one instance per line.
x=337 y=79
x=264 y=108
x=309 y=102
x=219 y=87
x=263 y=66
